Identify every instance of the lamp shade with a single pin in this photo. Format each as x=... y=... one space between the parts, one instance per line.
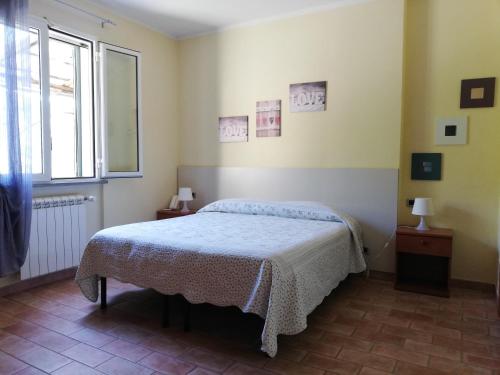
x=185 y=194
x=423 y=207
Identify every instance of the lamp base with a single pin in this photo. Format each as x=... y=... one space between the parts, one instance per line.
x=185 y=208
x=422 y=225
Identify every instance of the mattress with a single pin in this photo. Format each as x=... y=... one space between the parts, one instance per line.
x=276 y=260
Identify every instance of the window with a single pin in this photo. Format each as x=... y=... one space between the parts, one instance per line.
x=71 y=107
x=120 y=111
x=62 y=105
x=64 y=140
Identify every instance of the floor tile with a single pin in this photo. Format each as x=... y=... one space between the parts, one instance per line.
x=435 y=350
x=404 y=368
x=206 y=359
x=367 y=359
x=408 y=333
x=29 y=371
x=87 y=354
x=164 y=346
x=16 y=346
x=489 y=363
x=291 y=368
x=44 y=359
x=454 y=367
x=236 y=369
x=127 y=350
x=400 y=354
x=120 y=366
x=10 y=365
x=53 y=341
x=163 y=363
x=75 y=368
x=92 y=337
x=338 y=366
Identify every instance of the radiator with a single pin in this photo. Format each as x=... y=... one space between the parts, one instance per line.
x=58 y=235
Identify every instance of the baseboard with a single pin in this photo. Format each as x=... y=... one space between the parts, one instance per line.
x=24 y=285
x=454 y=283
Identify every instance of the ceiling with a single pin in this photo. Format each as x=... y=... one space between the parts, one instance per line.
x=185 y=18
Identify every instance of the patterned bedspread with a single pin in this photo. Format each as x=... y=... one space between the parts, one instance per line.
x=278 y=260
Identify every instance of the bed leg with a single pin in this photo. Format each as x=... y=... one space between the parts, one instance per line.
x=187 y=316
x=104 y=303
x=165 y=318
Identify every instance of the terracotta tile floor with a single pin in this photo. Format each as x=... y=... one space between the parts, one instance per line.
x=365 y=327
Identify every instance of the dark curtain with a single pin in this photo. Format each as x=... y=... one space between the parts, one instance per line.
x=15 y=135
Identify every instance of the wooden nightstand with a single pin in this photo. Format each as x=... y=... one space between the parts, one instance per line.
x=423 y=260
x=169 y=214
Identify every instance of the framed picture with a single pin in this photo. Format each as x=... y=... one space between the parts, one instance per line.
x=426 y=166
x=308 y=97
x=451 y=131
x=269 y=118
x=477 y=93
x=233 y=129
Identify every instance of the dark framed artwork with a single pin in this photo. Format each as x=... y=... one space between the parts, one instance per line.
x=478 y=93
x=426 y=166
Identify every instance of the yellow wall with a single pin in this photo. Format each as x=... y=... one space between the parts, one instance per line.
x=132 y=200
x=447 y=41
x=357 y=49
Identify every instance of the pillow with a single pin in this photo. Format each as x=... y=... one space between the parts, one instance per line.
x=293 y=209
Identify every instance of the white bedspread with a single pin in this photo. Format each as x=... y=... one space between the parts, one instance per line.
x=278 y=267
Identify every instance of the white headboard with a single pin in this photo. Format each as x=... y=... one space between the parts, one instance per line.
x=369 y=195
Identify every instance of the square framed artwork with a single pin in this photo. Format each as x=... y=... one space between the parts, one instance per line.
x=308 y=97
x=426 y=166
x=451 y=131
x=477 y=93
x=233 y=129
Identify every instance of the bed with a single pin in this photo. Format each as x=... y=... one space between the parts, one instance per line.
x=275 y=259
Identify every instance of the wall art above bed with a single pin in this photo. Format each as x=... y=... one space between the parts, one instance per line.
x=233 y=129
x=308 y=97
x=269 y=118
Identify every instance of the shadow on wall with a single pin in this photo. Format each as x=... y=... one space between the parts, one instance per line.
x=199 y=128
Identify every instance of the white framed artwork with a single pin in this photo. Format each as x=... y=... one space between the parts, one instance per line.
x=451 y=131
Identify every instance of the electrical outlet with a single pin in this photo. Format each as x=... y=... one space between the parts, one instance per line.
x=410 y=202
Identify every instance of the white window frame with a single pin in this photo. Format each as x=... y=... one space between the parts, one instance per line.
x=43 y=39
x=105 y=173
x=46 y=177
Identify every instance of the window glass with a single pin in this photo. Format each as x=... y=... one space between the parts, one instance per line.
x=71 y=119
x=121 y=100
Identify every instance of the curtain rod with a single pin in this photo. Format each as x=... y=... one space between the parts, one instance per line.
x=103 y=20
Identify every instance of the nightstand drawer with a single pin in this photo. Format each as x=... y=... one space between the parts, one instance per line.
x=424 y=245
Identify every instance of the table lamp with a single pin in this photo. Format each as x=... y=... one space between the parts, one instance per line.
x=423 y=207
x=185 y=195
